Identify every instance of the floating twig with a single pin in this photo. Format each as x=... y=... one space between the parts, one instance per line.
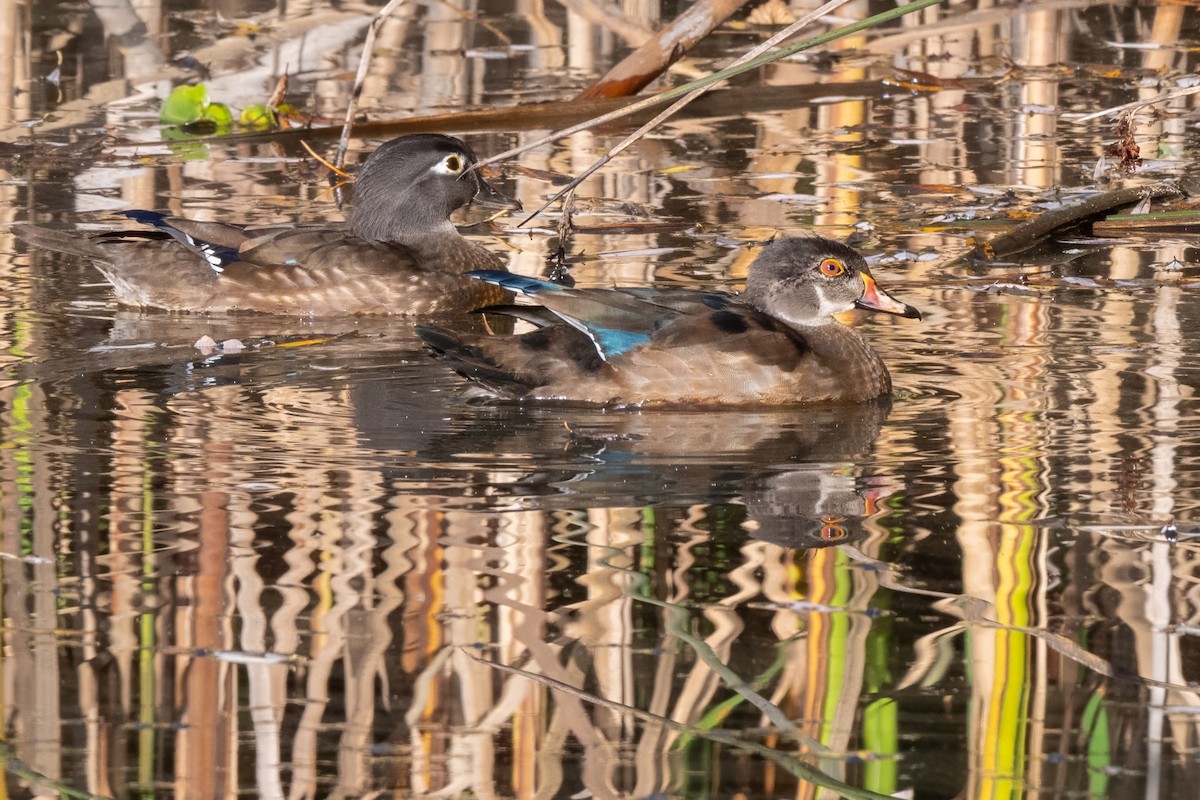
x=1177 y=222
x=752 y=60
x=1029 y=233
x=1160 y=98
x=715 y=78
x=326 y=164
x=799 y=24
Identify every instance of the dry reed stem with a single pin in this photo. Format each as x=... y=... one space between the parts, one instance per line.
x=361 y=76
x=752 y=54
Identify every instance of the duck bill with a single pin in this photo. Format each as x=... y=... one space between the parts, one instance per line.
x=876 y=299
x=487 y=197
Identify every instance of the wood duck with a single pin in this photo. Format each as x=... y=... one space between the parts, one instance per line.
x=776 y=343
x=398 y=254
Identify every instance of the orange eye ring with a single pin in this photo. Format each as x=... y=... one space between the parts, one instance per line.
x=832 y=268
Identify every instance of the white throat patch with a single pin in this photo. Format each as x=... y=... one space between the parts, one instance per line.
x=825 y=310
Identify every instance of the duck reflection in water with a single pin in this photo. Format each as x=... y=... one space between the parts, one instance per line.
x=798 y=480
x=814 y=506
x=796 y=476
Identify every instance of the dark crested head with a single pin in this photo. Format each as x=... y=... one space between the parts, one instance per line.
x=807 y=280
x=411 y=185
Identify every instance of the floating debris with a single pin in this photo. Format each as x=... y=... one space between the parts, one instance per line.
x=1031 y=232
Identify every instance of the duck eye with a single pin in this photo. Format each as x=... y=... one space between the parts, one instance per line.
x=831 y=268
x=450 y=165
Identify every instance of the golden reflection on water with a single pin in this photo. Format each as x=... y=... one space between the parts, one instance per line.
x=317 y=570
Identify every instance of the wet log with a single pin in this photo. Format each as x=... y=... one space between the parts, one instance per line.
x=666 y=47
x=1030 y=233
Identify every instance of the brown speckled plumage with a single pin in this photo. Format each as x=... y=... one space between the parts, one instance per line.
x=398 y=254
x=777 y=343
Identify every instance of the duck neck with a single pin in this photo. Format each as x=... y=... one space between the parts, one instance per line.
x=451 y=253
x=397 y=214
x=860 y=369
x=404 y=230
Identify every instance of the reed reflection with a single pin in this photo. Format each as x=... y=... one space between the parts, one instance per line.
x=306 y=571
x=300 y=600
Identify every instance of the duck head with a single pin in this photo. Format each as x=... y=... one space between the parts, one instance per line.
x=810 y=280
x=410 y=186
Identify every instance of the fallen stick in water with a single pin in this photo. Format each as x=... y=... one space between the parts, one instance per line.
x=1030 y=233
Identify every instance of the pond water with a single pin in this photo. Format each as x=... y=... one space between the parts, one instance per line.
x=315 y=568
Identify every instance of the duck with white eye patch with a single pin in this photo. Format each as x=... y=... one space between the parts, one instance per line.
x=399 y=253
x=777 y=343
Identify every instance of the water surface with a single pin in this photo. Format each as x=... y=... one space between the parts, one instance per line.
x=316 y=568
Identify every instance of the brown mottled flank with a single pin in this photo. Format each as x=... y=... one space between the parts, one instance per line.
x=398 y=254
x=778 y=343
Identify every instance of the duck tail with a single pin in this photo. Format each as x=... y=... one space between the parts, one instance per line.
x=67 y=241
x=471 y=361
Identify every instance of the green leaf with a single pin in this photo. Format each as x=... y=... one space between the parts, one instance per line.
x=185 y=104
x=258 y=117
x=219 y=115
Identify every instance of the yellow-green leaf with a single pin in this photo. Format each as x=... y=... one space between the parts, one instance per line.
x=185 y=104
x=219 y=115
x=258 y=117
